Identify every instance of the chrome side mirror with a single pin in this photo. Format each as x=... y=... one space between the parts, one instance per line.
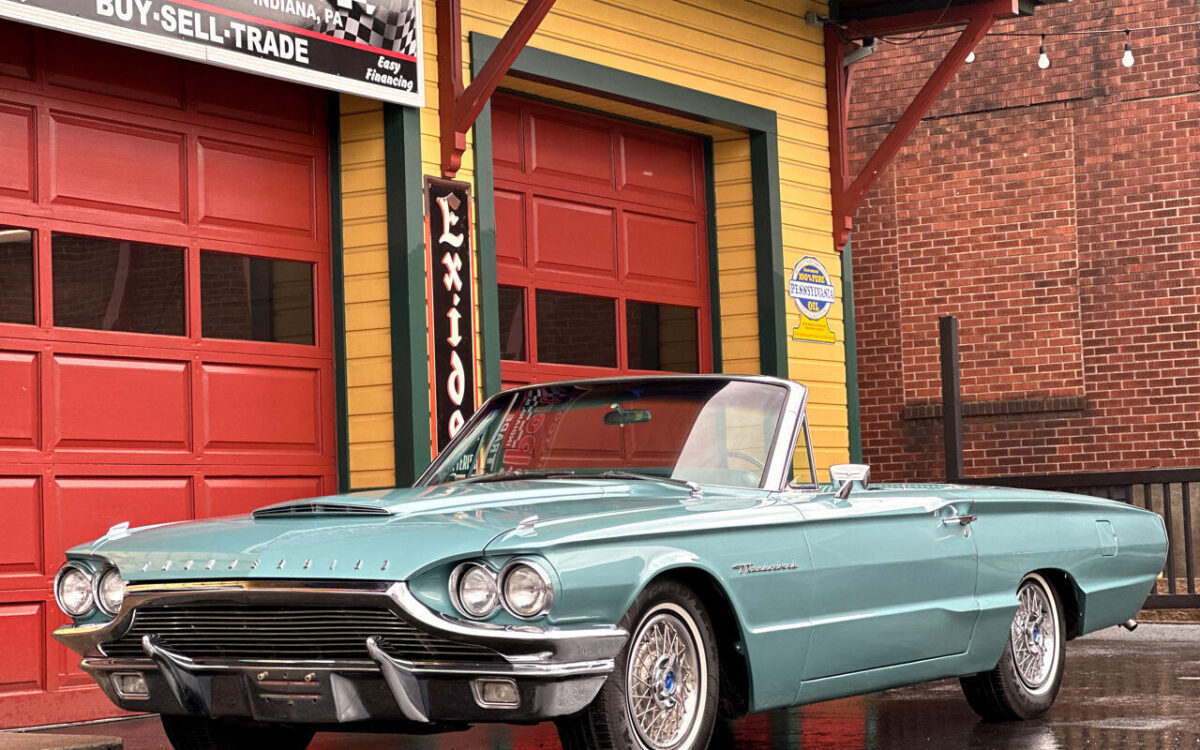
x=845 y=476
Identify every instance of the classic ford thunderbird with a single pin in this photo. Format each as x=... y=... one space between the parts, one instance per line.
x=630 y=558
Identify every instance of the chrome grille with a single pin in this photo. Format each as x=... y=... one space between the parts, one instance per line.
x=301 y=633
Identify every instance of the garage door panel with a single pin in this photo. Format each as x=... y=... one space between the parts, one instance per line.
x=16 y=50
x=224 y=496
x=88 y=506
x=254 y=188
x=112 y=409
x=21 y=519
x=661 y=250
x=112 y=404
x=261 y=409
x=508 y=143
x=658 y=167
x=101 y=164
x=573 y=236
x=17 y=152
x=510 y=241
x=265 y=101
x=19 y=400
x=23 y=667
x=65 y=662
x=562 y=148
x=612 y=227
x=94 y=67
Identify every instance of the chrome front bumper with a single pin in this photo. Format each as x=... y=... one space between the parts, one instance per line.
x=556 y=671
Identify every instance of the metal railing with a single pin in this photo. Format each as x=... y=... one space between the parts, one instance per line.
x=1172 y=493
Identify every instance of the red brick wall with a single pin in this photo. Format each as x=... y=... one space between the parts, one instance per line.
x=1056 y=214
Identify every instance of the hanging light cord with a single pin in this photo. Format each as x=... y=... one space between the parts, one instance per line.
x=900 y=39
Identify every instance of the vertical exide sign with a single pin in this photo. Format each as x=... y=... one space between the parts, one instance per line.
x=447 y=204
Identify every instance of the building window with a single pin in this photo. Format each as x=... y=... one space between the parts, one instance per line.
x=575 y=329
x=661 y=337
x=256 y=299
x=116 y=285
x=16 y=275
x=511 y=305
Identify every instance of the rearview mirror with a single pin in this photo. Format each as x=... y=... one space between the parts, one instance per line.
x=626 y=416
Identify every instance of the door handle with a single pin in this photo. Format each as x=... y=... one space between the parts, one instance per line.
x=962 y=520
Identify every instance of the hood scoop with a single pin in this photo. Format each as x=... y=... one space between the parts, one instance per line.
x=319 y=508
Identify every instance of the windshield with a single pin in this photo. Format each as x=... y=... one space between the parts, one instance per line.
x=704 y=431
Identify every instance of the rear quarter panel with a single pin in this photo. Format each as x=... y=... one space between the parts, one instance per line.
x=1020 y=531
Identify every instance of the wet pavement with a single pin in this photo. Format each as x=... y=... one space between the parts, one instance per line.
x=1121 y=691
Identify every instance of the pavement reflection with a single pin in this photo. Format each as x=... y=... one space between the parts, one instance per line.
x=1122 y=691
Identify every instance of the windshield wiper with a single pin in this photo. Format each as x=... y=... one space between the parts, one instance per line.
x=618 y=474
x=500 y=476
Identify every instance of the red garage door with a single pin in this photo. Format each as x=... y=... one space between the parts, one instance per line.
x=601 y=245
x=164 y=317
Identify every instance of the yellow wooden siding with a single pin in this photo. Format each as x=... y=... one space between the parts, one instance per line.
x=733 y=196
x=368 y=345
x=762 y=54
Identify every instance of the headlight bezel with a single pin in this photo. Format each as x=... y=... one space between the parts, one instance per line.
x=455 y=583
x=86 y=572
x=97 y=587
x=541 y=573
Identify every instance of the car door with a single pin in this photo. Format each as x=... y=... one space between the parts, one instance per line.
x=894 y=574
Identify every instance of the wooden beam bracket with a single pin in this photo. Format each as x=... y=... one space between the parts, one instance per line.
x=458 y=107
x=849 y=194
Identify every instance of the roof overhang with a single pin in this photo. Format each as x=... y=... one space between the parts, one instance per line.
x=879 y=17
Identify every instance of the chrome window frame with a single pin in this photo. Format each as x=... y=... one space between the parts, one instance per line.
x=777 y=470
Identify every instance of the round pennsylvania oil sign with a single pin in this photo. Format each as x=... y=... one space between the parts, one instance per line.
x=811 y=288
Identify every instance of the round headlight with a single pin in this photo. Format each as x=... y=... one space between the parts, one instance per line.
x=73 y=590
x=527 y=589
x=473 y=590
x=110 y=591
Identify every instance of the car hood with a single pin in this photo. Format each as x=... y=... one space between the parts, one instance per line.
x=377 y=535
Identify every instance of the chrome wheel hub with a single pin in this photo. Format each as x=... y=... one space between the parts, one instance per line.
x=662 y=682
x=1034 y=637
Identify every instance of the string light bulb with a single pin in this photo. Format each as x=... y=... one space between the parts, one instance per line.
x=1043 y=58
x=1127 y=58
x=971 y=56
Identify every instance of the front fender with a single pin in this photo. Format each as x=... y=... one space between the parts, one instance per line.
x=601 y=581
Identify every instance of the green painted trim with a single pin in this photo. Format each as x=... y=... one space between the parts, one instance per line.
x=853 y=412
x=485 y=242
x=714 y=268
x=337 y=272
x=617 y=84
x=406 y=282
x=768 y=251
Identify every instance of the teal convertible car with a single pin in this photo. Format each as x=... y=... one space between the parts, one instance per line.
x=630 y=558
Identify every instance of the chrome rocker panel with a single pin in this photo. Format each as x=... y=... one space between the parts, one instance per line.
x=556 y=671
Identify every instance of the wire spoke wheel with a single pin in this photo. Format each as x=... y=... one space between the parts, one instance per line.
x=665 y=679
x=1025 y=682
x=1034 y=636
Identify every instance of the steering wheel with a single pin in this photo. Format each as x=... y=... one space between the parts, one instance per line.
x=747 y=458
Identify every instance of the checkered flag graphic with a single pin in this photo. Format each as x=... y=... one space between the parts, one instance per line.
x=387 y=25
